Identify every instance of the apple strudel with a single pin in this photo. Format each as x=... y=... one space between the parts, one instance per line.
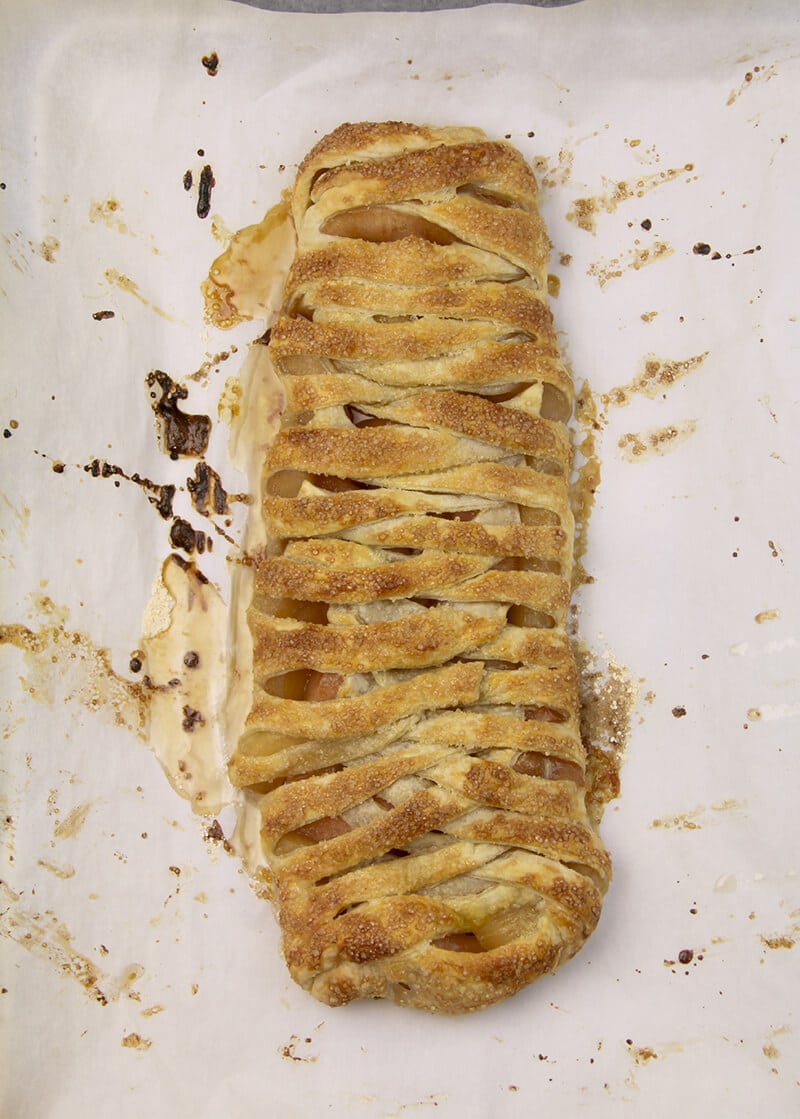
x=414 y=735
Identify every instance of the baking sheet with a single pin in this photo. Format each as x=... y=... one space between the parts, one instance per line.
x=139 y=969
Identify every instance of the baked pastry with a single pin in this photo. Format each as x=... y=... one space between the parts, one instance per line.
x=414 y=730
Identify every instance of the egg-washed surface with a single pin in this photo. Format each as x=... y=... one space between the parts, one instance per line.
x=413 y=742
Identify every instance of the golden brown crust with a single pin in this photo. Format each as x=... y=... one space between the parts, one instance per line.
x=414 y=730
x=435 y=637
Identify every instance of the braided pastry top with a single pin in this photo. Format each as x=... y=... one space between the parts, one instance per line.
x=414 y=731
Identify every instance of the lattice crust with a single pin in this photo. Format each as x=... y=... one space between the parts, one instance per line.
x=414 y=731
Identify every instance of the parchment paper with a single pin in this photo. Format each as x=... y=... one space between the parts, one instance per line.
x=140 y=973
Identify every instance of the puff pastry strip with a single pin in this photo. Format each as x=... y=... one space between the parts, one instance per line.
x=413 y=739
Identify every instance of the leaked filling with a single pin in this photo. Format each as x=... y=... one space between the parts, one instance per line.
x=382 y=223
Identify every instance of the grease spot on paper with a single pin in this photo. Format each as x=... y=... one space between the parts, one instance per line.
x=72 y=823
x=690 y=821
x=44 y=936
x=108 y=213
x=124 y=283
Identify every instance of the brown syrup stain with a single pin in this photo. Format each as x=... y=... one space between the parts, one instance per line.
x=202 y=373
x=770 y=1049
x=205 y=185
x=643 y=1054
x=766 y=616
x=160 y=496
x=179 y=433
x=659 y=441
x=777 y=942
x=124 y=283
x=188 y=539
x=585 y=210
x=655 y=376
x=215 y=834
x=583 y=213
x=108 y=214
x=781 y=940
x=608 y=695
x=685 y=957
x=211 y=64
x=289 y=1051
x=47 y=249
x=634 y=260
x=554 y=171
x=702 y=248
x=229 y=404
x=241 y=280
x=206 y=490
x=757 y=75
x=135 y=1041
